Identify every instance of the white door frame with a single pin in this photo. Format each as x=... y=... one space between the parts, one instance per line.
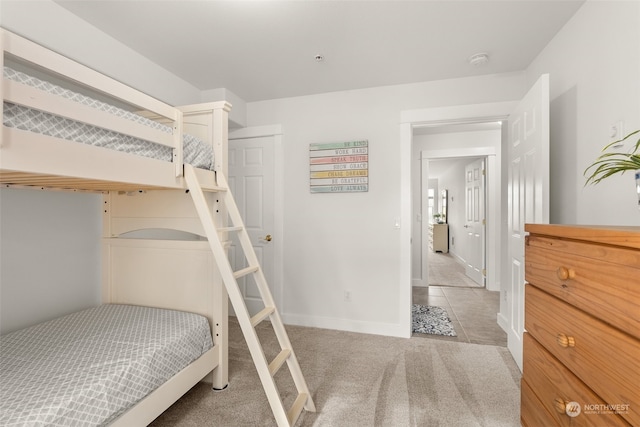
x=475 y=113
x=278 y=269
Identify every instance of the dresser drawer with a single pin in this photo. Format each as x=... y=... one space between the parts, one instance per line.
x=557 y=388
x=601 y=280
x=532 y=413
x=605 y=359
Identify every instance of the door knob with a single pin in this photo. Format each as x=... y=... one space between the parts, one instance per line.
x=267 y=237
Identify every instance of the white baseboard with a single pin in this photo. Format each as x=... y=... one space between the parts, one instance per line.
x=419 y=283
x=458 y=258
x=375 y=328
x=503 y=322
x=493 y=287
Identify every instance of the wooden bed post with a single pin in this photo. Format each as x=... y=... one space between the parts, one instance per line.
x=105 y=247
x=220 y=126
x=178 y=147
x=211 y=122
x=221 y=138
x=214 y=116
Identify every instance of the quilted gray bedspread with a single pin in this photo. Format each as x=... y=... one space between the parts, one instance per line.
x=196 y=152
x=87 y=368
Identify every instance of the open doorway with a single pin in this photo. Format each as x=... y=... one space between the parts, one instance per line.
x=455 y=164
x=523 y=196
x=453 y=221
x=414 y=120
x=456 y=179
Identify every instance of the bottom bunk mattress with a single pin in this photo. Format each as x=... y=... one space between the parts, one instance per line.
x=87 y=368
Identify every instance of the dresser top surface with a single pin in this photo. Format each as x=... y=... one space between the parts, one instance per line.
x=625 y=236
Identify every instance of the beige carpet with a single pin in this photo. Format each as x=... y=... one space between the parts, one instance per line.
x=445 y=270
x=365 y=380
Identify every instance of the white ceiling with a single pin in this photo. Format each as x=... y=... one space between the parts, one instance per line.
x=265 y=49
x=438 y=167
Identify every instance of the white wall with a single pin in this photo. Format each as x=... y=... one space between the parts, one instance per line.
x=594 y=63
x=49 y=255
x=338 y=242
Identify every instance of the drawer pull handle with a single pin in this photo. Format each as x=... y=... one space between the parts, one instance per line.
x=565 y=341
x=565 y=273
x=560 y=405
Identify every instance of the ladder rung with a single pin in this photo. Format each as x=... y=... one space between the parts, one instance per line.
x=225 y=229
x=263 y=314
x=214 y=189
x=245 y=271
x=296 y=408
x=219 y=250
x=276 y=364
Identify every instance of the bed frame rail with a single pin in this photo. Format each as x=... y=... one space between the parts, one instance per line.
x=33 y=160
x=21 y=50
x=28 y=51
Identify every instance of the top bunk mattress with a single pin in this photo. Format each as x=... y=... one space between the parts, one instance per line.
x=196 y=152
x=89 y=367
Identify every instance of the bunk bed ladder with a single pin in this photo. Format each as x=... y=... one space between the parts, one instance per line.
x=266 y=370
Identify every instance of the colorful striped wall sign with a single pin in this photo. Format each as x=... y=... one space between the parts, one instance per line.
x=339 y=167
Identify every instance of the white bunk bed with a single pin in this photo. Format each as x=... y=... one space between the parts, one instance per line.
x=139 y=193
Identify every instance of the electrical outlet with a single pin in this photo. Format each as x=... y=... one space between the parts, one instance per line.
x=347 y=296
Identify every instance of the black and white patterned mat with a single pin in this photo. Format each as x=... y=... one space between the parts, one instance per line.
x=427 y=319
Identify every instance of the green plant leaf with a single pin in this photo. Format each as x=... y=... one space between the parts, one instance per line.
x=611 y=163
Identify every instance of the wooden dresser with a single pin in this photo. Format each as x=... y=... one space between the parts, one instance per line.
x=581 y=364
x=439 y=238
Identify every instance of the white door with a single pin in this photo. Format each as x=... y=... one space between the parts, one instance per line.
x=528 y=194
x=475 y=221
x=251 y=179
